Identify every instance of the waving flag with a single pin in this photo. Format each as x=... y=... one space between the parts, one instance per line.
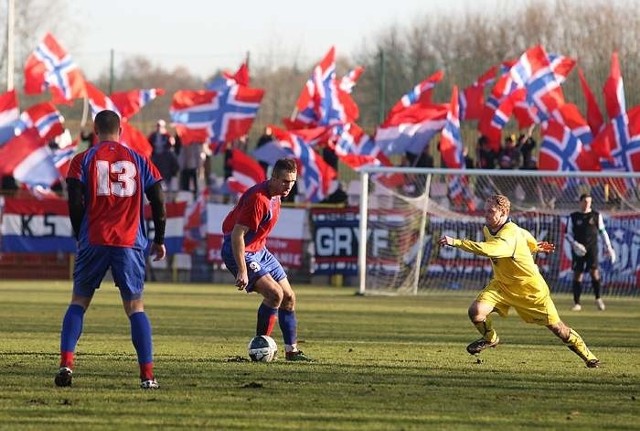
x=50 y=67
x=420 y=94
x=594 y=115
x=492 y=126
x=45 y=118
x=451 y=140
x=411 y=129
x=9 y=114
x=324 y=100
x=131 y=102
x=561 y=150
x=316 y=176
x=544 y=86
x=237 y=109
x=228 y=80
x=98 y=101
x=18 y=149
x=614 y=89
x=38 y=169
x=622 y=137
x=135 y=139
x=193 y=113
x=350 y=79
x=307 y=109
x=246 y=172
x=355 y=148
x=451 y=149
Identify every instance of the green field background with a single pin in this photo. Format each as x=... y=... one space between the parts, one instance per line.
x=382 y=363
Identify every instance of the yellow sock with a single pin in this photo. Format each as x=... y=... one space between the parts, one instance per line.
x=485 y=328
x=576 y=344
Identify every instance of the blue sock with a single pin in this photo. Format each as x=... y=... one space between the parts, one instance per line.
x=266 y=319
x=71 y=328
x=288 y=326
x=141 y=337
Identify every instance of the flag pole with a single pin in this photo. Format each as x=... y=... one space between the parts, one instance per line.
x=10 y=48
x=85 y=112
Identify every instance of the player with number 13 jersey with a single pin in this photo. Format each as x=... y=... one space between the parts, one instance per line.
x=113 y=173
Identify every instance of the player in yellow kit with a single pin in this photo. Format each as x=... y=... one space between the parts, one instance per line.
x=516 y=281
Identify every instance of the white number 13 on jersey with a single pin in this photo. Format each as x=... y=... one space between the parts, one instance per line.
x=125 y=185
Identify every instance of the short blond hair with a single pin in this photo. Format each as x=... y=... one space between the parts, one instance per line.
x=500 y=201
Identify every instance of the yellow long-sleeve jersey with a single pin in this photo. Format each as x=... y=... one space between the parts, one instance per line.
x=511 y=253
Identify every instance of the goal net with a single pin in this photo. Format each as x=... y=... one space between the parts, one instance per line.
x=404 y=211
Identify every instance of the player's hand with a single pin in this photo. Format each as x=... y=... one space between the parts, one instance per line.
x=612 y=255
x=446 y=240
x=159 y=251
x=242 y=280
x=546 y=247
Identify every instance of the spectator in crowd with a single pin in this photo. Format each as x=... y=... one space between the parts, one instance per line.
x=516 y=281
x=167 y=163
x=422 y=160
x=338 y=196
x=487 y=157
x=191 y=160
x=583 y=229
x=509 y=156
x=105 y=208
x=160 y=139
x=469 y=163
x=255 y=269
x=527 y=144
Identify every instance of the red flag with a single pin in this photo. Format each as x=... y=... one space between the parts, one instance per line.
x=51 y=67
x=131 y=101
x=241 y=77
x=17 y=149
x=135 y=139
x=614 y=89
x=594 y=116
x=246 y=172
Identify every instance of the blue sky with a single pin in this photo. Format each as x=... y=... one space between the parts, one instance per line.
x=207 y=35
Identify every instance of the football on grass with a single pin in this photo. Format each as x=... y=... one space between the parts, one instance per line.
x=262 y=348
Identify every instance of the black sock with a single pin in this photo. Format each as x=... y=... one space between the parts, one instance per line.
x=577 y=291
x=596 y=287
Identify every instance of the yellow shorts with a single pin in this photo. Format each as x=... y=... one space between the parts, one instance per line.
x=538 y=309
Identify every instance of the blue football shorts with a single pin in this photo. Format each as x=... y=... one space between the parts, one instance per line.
x=127 y=268
x=259 y=264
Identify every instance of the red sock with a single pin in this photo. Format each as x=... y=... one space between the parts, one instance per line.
x=146 y=371
x=66 y=359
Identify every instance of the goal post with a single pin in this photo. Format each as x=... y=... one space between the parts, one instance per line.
x=404 y=211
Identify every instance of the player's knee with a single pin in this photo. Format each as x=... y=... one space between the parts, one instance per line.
x=474 y=314
x=273 y=295
x=288 y=301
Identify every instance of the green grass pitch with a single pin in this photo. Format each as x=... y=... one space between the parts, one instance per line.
x=383 y=363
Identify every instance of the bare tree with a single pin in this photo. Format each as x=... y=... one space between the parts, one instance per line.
x=32 y=19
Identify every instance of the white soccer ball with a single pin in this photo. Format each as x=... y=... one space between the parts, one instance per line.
x=262 y=348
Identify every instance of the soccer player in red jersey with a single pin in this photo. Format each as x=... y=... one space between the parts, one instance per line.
x=246 y=256
x=105 y=185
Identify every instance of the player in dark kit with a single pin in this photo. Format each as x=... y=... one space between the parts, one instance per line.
x=246 y=256
x=583 y=228
x=106 y=184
